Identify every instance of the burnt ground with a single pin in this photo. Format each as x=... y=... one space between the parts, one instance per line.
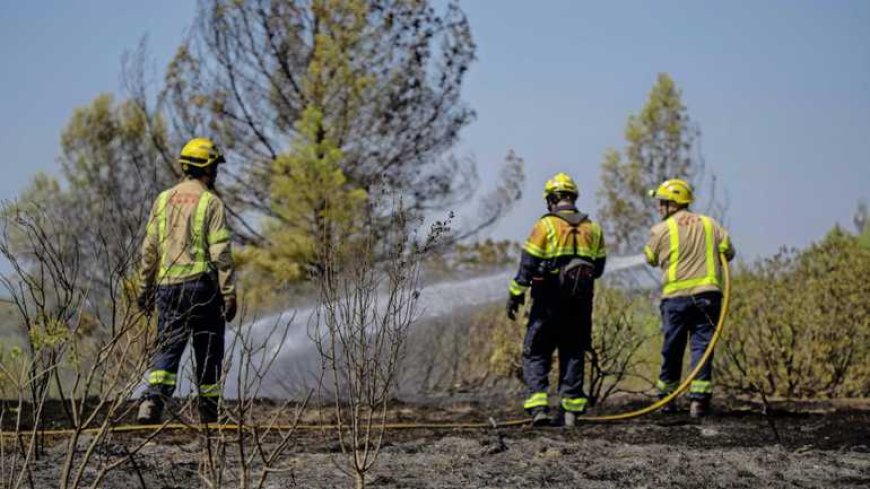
x=810 y=445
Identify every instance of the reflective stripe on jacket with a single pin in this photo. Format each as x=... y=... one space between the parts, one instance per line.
x=187 y=237
x=552 y=241
x=686 y=247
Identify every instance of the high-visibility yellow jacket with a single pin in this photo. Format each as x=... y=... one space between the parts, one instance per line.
x=187 y=237
x=553 y=242
x=686 y=246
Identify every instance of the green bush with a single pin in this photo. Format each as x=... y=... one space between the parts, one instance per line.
x=623 y=342
x=800 y=323
x=799 y=327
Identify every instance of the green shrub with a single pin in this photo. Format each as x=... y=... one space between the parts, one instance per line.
x=800 y=323
x=623 y=344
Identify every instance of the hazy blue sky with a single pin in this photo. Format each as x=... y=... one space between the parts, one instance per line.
x=781 y=90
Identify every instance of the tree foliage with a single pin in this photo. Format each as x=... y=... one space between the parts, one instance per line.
x=320 y=105
x=316 y=104
x=385 y=77
x=111 y=170
x=314 y=205
x=661 y=143
x=492 y=351
x=107 y=153
x=800 y=323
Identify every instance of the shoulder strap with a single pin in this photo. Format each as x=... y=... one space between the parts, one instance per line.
x=574 y=219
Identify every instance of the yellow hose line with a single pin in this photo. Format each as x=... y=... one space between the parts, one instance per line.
x=720 y=326
x=260 y=428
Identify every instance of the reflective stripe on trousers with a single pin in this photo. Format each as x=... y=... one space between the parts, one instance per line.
x=189 y=311
x=536 y=400
x=576 y=405
x=554 y=324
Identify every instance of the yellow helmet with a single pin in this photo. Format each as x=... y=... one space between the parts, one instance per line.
x=200 y=152
x=675 y=190
x=561 y=183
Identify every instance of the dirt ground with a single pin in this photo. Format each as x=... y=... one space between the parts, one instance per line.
x=813 y=445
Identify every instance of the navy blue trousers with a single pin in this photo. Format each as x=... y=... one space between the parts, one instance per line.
x=557 y=323
x=691 y=318
x=193 y=311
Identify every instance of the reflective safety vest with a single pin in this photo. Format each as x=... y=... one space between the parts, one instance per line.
x=187 y=237
x=686 y=247
x=176 y=267
x=554 y=240
x=556 y=236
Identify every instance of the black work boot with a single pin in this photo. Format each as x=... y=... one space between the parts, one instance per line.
x=540 y=417
x=566 y=419
x=699 y=408
x=150 y=411
x=670 y=408
x=208 y=409
x=569 y=419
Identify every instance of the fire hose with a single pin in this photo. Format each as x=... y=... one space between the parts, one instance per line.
x=681 y=388
x=717 y=333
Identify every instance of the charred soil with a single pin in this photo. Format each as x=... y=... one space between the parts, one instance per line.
x=818 y=445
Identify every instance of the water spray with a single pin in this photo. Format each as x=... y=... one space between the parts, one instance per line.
x=628 y=263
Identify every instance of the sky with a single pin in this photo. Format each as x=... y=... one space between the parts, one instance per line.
x=780 y=90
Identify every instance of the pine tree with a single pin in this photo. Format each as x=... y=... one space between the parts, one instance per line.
x=661 y=143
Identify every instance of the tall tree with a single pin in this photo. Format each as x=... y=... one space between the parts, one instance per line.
x=111 y=171
x=109 y=156
x=661 y=143
x=388 y=94
x=312 y=202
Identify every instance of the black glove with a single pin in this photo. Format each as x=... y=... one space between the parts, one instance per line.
x=230 y=308
x=513 y=305
x=145 y=300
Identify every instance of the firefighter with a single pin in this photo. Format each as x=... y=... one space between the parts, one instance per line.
x=187 y=269
x=562 y=257
x=686 y=246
